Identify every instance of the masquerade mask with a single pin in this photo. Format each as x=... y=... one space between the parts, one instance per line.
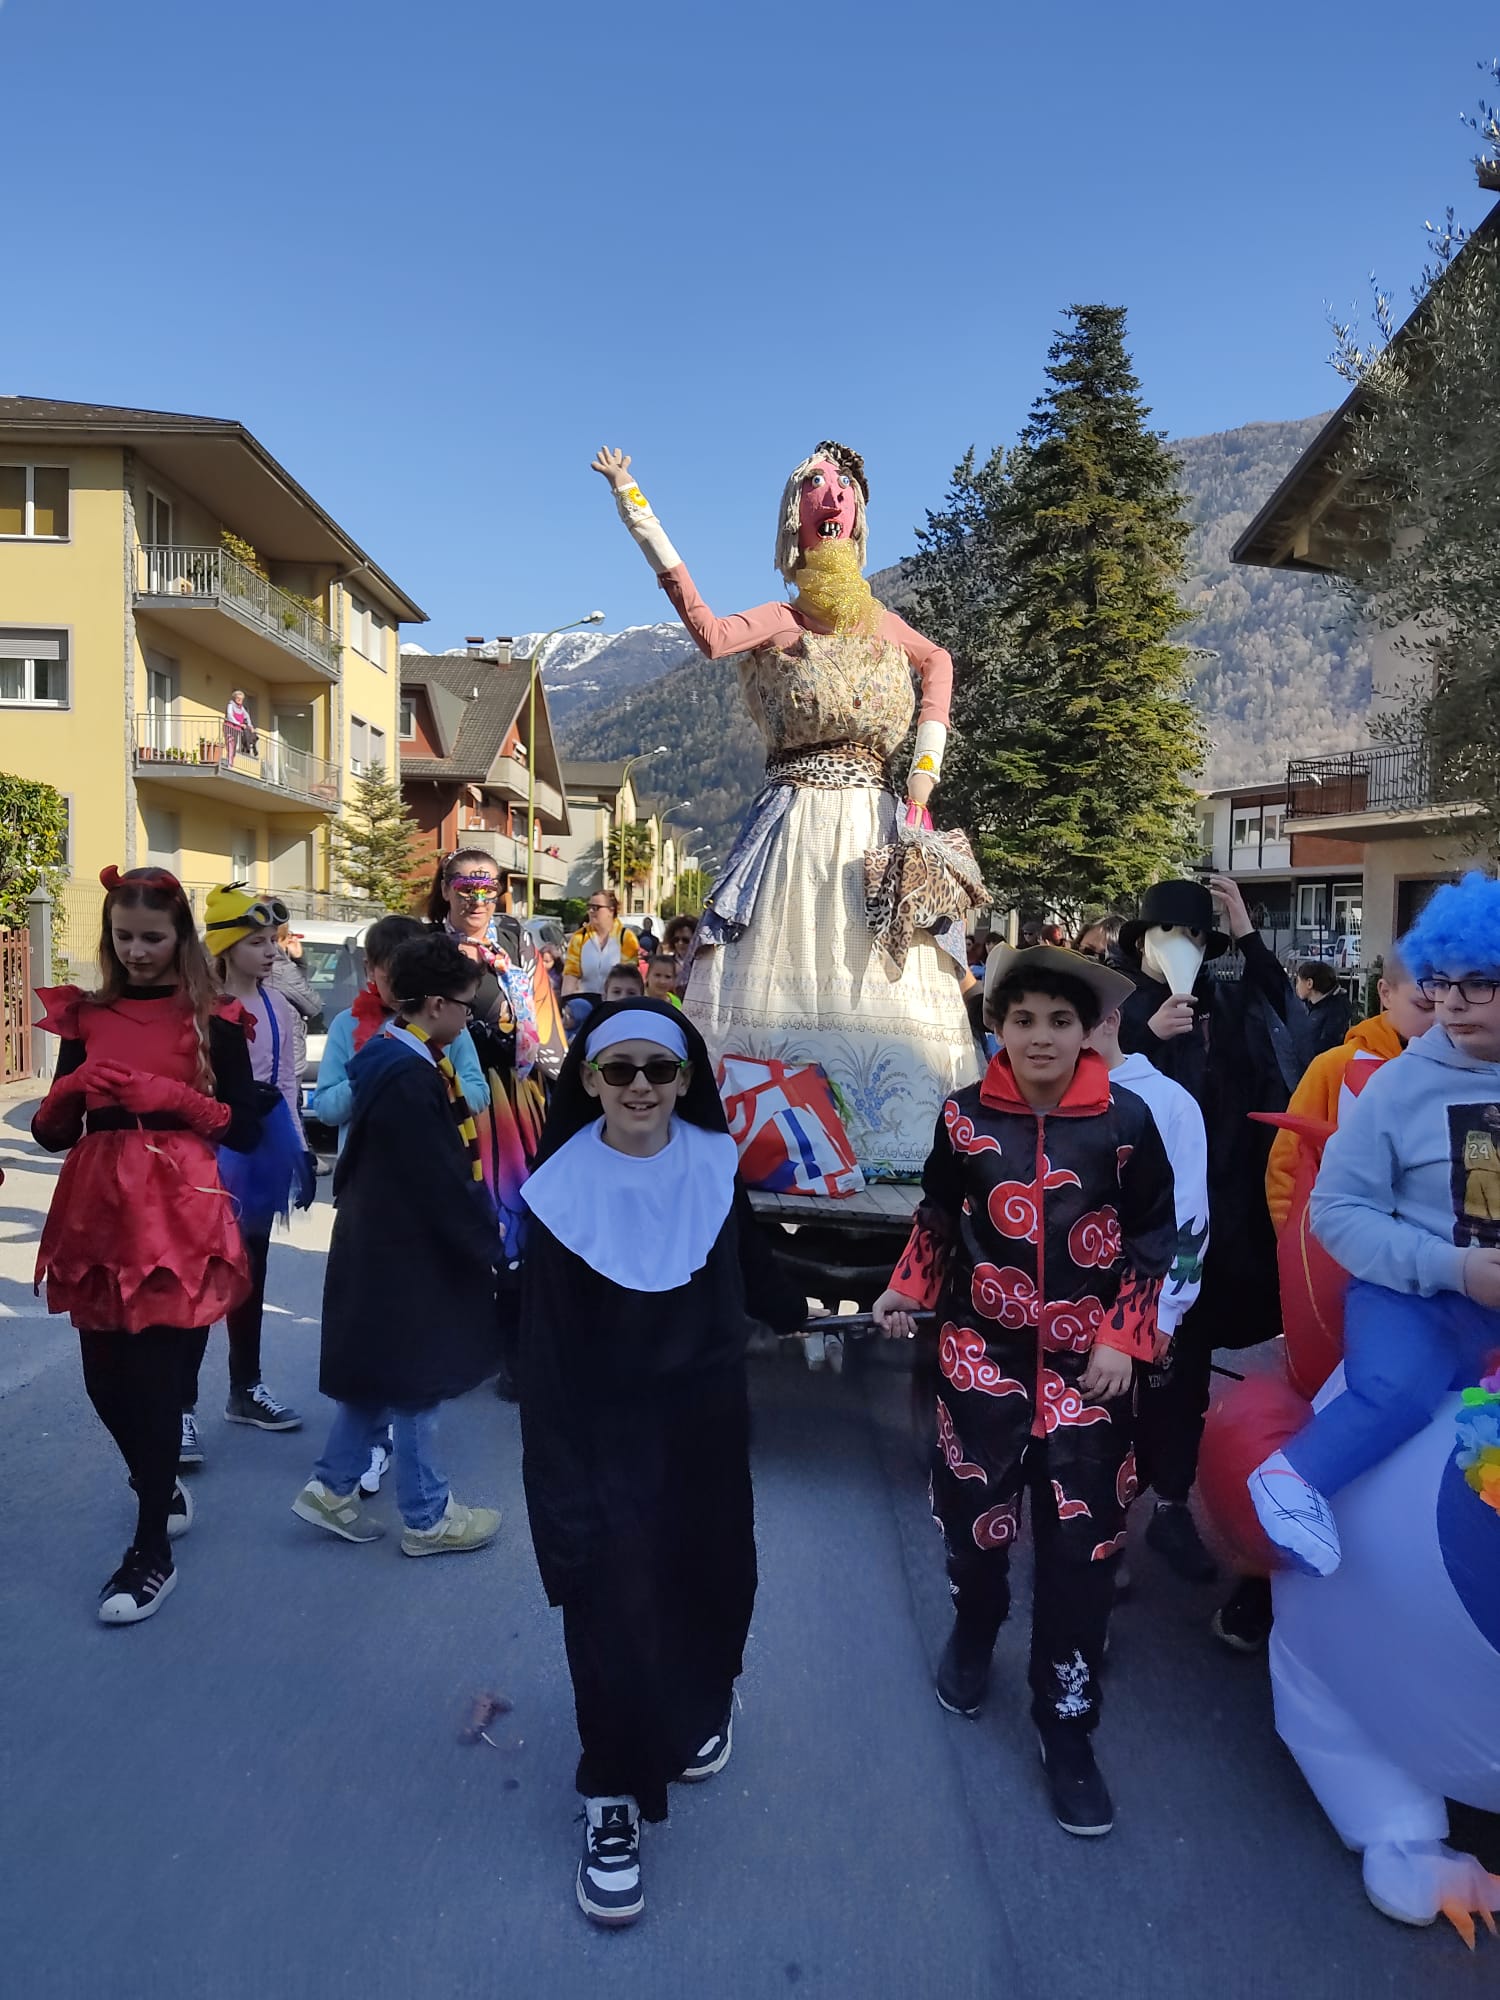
x=478 y=888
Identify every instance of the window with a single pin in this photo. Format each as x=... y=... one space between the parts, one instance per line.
x=1310 y=906
x=365 y=629
x=243 y=847
x=158 y=520
x=1273 y=823
x=359 y=745
x=163 y=837
x=1246 y=829
x=34 y=501
x=1348 y=905
x=33 y=669
x=377 y=748
x=408 y=718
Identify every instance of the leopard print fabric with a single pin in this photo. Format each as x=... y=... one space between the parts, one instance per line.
x=922 y=881
x=831 y=767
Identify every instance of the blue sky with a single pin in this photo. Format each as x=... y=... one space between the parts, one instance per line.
x=433 y=256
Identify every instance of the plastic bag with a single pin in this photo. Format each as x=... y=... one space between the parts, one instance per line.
x=783 y=1118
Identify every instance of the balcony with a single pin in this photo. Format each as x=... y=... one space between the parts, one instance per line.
x=193 y=754
x=1386 y=792
x=508 y=777
x=210 y=596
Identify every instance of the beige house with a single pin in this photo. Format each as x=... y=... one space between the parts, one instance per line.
x=1392 y=797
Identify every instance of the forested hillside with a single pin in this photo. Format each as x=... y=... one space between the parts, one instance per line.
x=1282 y=673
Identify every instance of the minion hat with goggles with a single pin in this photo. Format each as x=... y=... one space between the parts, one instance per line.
x=232 y=913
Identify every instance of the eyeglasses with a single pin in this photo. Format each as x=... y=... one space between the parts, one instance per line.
x=618 y=1074
x=594 y=907
x=1473 y=992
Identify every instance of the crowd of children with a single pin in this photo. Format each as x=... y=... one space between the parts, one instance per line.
x=1070 y=1210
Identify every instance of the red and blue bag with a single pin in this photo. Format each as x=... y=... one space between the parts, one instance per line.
x=784 y=1120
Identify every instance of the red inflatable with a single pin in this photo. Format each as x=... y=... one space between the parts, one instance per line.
x=1245 y=1424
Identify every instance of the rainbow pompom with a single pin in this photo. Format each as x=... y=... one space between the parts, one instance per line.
x=1479 y=1439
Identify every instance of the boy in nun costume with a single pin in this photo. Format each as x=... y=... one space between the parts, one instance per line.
x=641 y=1264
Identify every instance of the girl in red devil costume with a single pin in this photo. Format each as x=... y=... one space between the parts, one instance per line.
x=141 y=1247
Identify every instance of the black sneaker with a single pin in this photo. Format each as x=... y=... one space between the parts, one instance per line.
x=259 y=1407
x=190 y=1451
x=136 y=1589
x=1080 y=1797
x=1243 y=1621
x=1173 y=1533
x=179 y=1514
x=609 y=1870
x=963 y=1673
x=713 y=1755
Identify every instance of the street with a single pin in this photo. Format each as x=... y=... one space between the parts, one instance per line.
x=262 y=1791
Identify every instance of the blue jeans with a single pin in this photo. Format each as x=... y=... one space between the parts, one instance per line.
x=1402 y=1354
x=421 y=1489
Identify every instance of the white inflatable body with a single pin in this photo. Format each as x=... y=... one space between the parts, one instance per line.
x=1386 y=1675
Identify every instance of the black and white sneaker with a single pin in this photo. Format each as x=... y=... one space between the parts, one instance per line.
x=180 y=1513
x=609 y=1870
x=375 y=1471
x=963 y=1672
x=190 y=1451
x=1080 y=1797
x=713 y=1755
x=136 y=1589
x=259 y=1407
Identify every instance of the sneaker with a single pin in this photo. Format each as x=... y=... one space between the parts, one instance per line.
x=179 y=1514
x=1173 y=1533
x=1243 y=1621
x=340 y=1513
x=190 y=1451
x=1080 y=1797
x=713 y=1755
x=609 y=1869
x=375 y=1471
x=1295 y=1516
x=455 y=1532
x=259 y=1407
x=136 y=1589
x=963 y=1673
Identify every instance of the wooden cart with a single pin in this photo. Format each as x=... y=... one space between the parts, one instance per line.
x=841 y=1249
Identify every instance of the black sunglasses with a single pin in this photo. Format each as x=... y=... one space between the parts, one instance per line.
x=659 y=1069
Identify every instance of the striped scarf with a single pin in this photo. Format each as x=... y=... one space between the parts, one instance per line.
x=463 y=1117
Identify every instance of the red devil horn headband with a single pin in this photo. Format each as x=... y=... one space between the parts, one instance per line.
x=141 y=878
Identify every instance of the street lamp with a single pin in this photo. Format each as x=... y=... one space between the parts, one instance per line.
x=588 y=618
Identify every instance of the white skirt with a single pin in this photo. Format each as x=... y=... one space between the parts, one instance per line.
x=805 y=984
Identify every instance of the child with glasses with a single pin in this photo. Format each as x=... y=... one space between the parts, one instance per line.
x=1408 y=1201
x=641 y=1263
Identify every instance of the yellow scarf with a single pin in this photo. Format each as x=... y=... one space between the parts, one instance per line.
x=463 y=1117
x=831 y=589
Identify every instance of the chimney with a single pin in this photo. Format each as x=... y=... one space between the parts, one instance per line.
x=474 y=644
x=503 y=648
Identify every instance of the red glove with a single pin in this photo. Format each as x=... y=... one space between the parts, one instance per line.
x=140 y=1091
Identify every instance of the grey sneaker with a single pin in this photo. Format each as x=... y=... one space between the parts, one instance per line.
x=340 y=1513
x=609 y=1869
x=457 y=1530
x=190 y=1451
x=259 y=1407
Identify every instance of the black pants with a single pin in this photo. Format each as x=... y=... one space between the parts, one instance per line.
x=1072 y=1596
x=134 y=1382
x=1171 y=1404
x=243 y=1326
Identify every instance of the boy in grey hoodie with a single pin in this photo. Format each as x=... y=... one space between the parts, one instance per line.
x=1408 y=1201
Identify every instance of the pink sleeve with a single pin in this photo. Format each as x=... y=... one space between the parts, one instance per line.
x=931 y=662
x=719 y=638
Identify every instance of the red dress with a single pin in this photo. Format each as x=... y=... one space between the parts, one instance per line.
x=140 y=1232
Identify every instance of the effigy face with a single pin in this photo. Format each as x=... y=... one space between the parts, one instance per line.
x=829 y=508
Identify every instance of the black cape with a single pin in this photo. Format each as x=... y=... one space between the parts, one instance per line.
x=409 y=1315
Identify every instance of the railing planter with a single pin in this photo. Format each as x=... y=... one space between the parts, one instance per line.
x=165 y=570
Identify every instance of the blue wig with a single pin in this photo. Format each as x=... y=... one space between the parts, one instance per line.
x=1458 y=932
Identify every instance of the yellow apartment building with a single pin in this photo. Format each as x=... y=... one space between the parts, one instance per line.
x=151 y=566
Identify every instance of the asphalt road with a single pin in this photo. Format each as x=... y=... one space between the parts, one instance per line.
x=262 y=1792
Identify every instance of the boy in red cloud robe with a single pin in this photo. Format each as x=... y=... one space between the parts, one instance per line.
x=1046 y=1226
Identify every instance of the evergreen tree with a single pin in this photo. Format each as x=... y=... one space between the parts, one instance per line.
x=33 y=836
x=1054 y=574
x=376 y=843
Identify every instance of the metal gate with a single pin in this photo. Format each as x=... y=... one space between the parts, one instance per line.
x=15 y=1006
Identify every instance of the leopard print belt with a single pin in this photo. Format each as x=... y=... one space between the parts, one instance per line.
x=829 y=767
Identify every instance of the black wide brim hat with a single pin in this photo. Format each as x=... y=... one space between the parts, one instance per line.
x=1183 y=904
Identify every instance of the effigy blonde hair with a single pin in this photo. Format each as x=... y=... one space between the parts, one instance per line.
x=789 y=526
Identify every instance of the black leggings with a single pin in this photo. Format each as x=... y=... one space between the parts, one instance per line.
x=134 y=1382
x=243 y=1325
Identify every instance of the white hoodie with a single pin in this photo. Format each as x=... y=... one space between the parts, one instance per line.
x=1411 y=1178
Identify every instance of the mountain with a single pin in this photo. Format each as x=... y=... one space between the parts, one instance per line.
x=1280 y=670
x=583 y=671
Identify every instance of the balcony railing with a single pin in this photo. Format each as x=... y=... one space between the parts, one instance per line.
x=165 y=743
x=214 y=575
x=1406 y=778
